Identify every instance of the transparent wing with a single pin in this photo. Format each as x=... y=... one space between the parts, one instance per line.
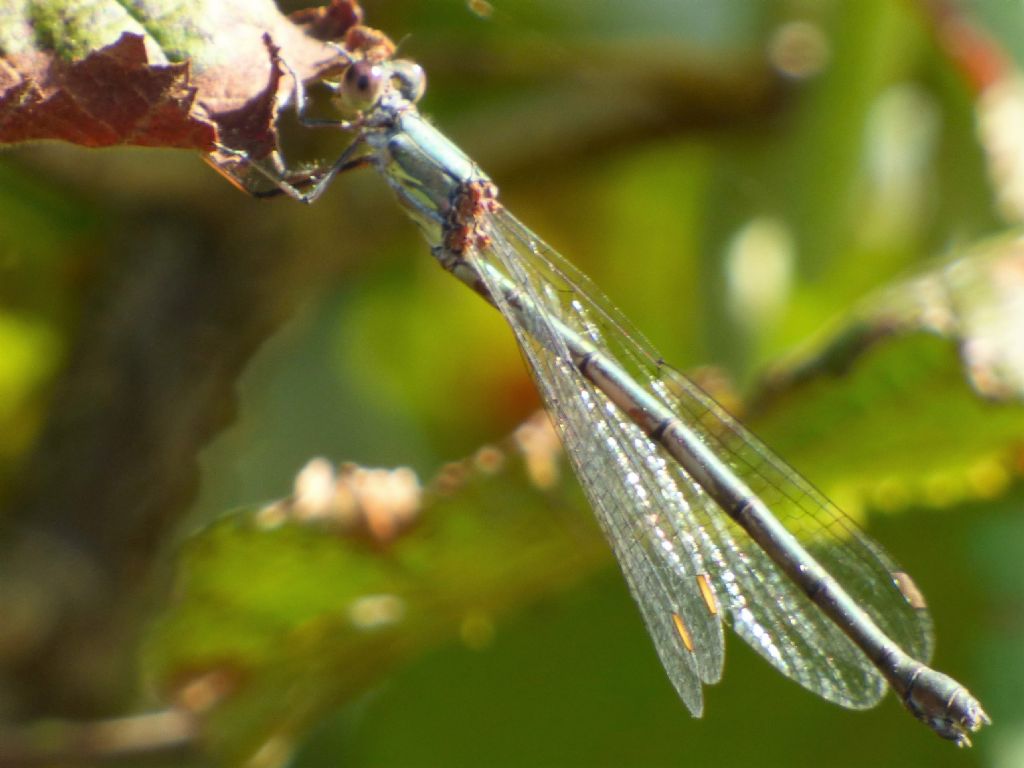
x=656 y=535
x=665 y=531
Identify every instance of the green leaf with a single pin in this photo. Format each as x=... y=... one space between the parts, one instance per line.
x=918 y=400
x=272 y=626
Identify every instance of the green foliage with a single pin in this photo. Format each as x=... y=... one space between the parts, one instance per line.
x=661 y=154
x=300 y=620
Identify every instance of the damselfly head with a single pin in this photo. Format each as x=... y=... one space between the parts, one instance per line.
x=364 y=83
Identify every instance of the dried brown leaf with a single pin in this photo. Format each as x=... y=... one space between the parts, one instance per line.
x=180 y=75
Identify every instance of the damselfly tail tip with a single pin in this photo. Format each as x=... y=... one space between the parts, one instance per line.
x=945 y=706
x=964 y=715
x=973 y=718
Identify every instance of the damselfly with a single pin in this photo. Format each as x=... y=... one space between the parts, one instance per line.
x=707 y=523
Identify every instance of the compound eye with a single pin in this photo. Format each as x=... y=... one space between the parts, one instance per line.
x=409 y=78
x=362 y=85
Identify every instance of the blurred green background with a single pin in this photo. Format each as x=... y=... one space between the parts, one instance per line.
x=738 y=176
